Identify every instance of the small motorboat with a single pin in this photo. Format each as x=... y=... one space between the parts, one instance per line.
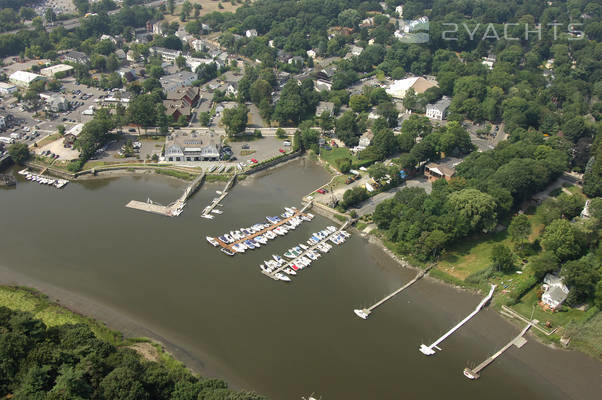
x=212 y=240
x=226 y=251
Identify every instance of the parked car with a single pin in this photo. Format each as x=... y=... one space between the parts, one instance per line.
x=281 y=150
x=254 y=161
x=321 y=191
x=246 y=146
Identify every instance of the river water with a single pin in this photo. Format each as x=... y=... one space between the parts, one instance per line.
x=148 y=274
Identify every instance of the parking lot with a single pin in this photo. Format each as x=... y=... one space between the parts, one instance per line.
x=259 y=149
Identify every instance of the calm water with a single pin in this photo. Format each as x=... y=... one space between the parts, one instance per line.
x=281 y=340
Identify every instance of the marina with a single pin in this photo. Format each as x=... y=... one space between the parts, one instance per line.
x=172 y=210
x=302 y=256
x=519 y=341
x=365 y=312
x=44 y=180
x=211 y=208
x=428 y=350
x=243 y=239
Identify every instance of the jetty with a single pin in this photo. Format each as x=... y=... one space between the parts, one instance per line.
x=207 y=211
x=172 y=210
x=428 y=350
x=228 y=246
x=273 y=273
x=519 y=341
x=365 y=312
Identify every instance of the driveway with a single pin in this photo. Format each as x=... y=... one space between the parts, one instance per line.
x=369 y=205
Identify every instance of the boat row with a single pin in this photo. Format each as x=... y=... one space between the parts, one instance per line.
x=58 y=183
x=259 y=234
x=302 y=255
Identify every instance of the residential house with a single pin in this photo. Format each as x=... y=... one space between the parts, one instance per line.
x=24 y=78
x=166 y=54
x=72 y=133
x=445 y=168
x=354 y=51
x=198 y=45
x=133 y=56
x=399 y=11
x=438 y=110
x=158 y=28
x=366 y=139
x=296 y=59
x=109 y=38
x=251 y=33
x=180 y=102
x=193 y=63
x=555 y=291
x=120 y=54
x=368 y=22
x=76 y=57
x=311 y=53
x=127 y=73
x=325 y=106
x=489 y=61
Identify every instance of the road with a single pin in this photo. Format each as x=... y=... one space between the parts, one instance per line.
x=369 y=205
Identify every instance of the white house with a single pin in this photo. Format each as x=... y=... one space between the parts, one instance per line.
x=251 y=33
x=24 y=78
x=438 y=110
x=311 y=53
x=399 y=11
x=7 y=88
x=555 y=291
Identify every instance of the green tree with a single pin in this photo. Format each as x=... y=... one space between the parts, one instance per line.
x=281 y=133
x=359 y=103
x=501 y=258
x=561 y=238
x=544 y=263
x=519 y=229
x=347 y=129
x=476 y=207
x=204 y=118
x=235 y=119
x=19 y=152
x=581 y=277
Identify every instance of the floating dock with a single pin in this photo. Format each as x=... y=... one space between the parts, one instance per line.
x=519 y=341
x=428 y=350
x=228 y=246
x=207 y=211
x=312 y=248
x=172 y=210
x=365 y=312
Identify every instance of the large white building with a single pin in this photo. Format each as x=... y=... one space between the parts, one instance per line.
x=420 y=85
x=51 y=71
x=438 y=110
x=24 y=78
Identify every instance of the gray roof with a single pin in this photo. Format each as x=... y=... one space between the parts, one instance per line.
x=441 y=105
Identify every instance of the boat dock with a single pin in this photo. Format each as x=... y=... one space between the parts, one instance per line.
x=518 y=341
x=40 y=178
x=428 y=350
x=365 y=312
x=228 y=246
x=207 y=211
x=273 y=273
x=172 y=210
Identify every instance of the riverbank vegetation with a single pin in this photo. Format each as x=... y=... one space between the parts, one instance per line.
x=50 y=352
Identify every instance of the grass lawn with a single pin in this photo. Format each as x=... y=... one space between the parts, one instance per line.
x=331 y=156
x=52 y=314
x=48 y=139
x=471 y=255
x=208 y=7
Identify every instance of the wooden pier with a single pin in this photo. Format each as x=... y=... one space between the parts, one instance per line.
x=273 y=274
x=428 y=350
x=229 y=247
x=365 y=312
x=217 y=201
x=172 y=210
x=519 y=341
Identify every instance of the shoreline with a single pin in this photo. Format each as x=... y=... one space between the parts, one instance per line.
x=117 y=320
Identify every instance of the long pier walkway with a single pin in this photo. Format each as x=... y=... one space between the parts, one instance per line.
x=518 y=341
x=273 y=274
x=428 y=350
x=229 y=247
x=365 y=312
x=172 y=210
x=215 y=202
